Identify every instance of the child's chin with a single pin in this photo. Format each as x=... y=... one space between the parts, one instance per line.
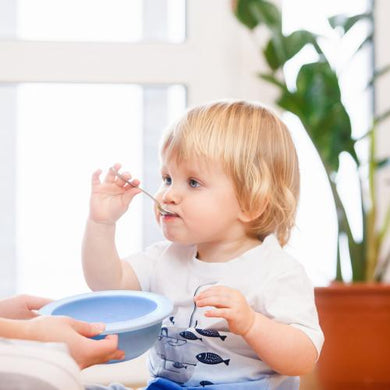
x=177 y=240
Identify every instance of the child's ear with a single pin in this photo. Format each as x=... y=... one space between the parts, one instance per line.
x=249 y=216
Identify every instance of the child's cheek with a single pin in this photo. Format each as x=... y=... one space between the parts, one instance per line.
x=157 y=215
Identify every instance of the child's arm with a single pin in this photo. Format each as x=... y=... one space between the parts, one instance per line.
x=284 y=348
x=103 y=269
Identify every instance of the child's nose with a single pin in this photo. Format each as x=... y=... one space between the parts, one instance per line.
x=171 y=195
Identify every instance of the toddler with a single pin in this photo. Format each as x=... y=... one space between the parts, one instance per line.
x=244 y=313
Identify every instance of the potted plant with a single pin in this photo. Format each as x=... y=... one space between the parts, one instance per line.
x=350 y=314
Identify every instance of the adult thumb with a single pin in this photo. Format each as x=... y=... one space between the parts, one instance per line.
x=88 y=329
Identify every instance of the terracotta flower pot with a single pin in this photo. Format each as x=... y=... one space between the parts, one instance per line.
x=355 y=319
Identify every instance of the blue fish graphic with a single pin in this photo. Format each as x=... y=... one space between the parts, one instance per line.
x=205 y=383
x=211 y=358
x=179 y=365
x=189 y=335
x=210 y=333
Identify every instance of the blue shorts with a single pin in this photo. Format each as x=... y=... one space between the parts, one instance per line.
x=266 y=383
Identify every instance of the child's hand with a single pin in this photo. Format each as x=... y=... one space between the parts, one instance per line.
x=111 y=198
x=229 y=304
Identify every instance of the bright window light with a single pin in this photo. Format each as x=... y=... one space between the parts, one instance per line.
x=317 y=248
x=102 y=20
x=65 y=132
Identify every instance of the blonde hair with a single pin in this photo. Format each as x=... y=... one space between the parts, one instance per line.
x=256 y=151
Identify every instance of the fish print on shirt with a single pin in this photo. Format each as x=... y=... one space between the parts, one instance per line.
x=211 y=358
x=205 y=383
x=179 y=350
x=189 y=335
x=210 y=333
x=171 y=340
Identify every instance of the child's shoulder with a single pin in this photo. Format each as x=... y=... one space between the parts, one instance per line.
x=273 y=260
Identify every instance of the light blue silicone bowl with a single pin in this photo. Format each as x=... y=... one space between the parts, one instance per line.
x=136 y=316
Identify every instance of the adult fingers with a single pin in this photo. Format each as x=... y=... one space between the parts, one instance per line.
x=35 y=303
x=87 y=329
x=101 y=351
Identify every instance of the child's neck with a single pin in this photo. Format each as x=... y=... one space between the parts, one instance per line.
x=221 y=252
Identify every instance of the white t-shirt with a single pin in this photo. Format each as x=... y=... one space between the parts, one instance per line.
x=196 y=350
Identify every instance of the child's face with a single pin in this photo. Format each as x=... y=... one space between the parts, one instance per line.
x=203 y=197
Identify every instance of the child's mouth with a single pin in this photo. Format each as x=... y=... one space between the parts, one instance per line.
x=169 y=214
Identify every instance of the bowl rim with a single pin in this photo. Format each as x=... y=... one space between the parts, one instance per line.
x=164 y=307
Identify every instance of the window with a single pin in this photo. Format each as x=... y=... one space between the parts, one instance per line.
x=61 y=140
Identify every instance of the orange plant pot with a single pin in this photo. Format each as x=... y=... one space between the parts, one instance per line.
x=355 y=319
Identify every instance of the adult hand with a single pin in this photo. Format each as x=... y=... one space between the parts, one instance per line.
x=111 y=198
x=229 y=304
x=76 y=334
x=21 y=306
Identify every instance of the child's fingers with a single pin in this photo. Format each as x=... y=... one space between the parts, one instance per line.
x=96 y=177
x=135 y=182
x=216 y=301
x=111 y=176
x=124 y=180
x=219 y=313
x=215 y=290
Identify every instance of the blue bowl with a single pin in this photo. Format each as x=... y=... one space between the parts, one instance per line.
x=136 y=316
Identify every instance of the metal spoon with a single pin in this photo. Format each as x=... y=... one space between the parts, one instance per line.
x=161 y=210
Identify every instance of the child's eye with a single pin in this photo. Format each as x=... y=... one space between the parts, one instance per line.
x=193 y=183
x=167 y=180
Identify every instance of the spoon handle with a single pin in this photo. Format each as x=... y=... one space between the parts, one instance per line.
x=130 y=183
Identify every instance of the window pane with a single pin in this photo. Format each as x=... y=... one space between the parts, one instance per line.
x=101 y=20
x=64 y=133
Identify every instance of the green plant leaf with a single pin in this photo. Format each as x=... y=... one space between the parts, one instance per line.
x=367 y=41
x=317 y=102
x=294 y=42
x=267 y=13
x=281 y=48
x=382 y=71
x=345 y=22
x=244 y=14
x=274 y=53
x=382 y=117
x=382 y=268
x=324 y=115
x=273 y=80
x=384 y=162
x=385 y=226
x=253 y=13
x=378 y=73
